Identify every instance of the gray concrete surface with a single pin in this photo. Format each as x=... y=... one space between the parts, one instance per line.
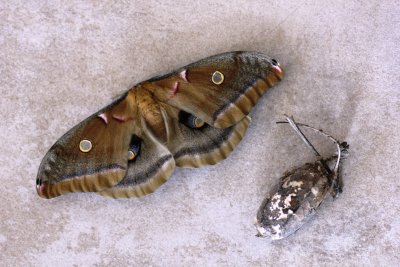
x=60 y=61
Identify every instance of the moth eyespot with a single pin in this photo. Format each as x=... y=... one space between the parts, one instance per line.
x=85 y=145
x=190 y=121
x=217 y=78
x=198 y=122
x=131 y=155
x=134 y=147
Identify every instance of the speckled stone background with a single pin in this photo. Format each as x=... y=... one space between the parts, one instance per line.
x=60 y=61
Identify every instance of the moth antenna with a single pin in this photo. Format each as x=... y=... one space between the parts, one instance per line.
x=292 y=123
x=295 y=125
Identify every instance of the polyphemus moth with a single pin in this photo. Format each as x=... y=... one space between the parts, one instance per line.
x=189 y=118
x=301 y=191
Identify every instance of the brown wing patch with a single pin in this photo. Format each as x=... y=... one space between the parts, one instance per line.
x=65 y=168
x=246 y=76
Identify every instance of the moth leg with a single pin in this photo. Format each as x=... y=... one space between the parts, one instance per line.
x=337 y=186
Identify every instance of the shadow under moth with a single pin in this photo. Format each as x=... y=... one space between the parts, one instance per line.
x=300 y=191
x=191 y=117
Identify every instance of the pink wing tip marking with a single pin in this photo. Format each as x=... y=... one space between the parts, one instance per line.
x=42 y=189
x=174 y=89
x=103 y=116
x=175 y=86
x=183 y=75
